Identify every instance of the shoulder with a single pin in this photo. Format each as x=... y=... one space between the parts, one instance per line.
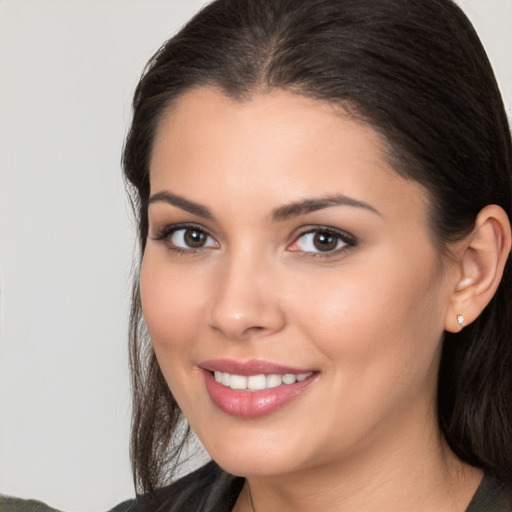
x=11 y=504
x=491 y=496
x=208 y=489
x=8 y=504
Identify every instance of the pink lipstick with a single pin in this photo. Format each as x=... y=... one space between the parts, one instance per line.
x=253 y=388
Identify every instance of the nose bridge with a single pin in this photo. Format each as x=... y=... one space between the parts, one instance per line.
x=245 y=301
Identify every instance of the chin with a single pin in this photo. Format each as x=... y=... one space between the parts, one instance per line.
x=255 y=467
x=255 y=458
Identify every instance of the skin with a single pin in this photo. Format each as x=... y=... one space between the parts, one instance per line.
x=368 y=317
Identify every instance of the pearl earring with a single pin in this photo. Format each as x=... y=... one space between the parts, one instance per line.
x=460 y=319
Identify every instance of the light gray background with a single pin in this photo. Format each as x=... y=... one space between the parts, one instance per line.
x=67 y=72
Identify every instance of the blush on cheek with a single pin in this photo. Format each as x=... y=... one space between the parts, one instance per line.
x=157 y=305
x=171 y=308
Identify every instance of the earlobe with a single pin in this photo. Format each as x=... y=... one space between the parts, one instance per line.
x=481 y=263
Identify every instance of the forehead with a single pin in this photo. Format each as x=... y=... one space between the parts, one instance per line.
x=207 y=118
x=279 y=145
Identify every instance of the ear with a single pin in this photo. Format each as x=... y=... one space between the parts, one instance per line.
x=480 y=264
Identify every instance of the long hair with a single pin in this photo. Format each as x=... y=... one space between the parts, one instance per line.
x=417 y=73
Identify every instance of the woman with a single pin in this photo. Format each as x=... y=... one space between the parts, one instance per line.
x=323 y=190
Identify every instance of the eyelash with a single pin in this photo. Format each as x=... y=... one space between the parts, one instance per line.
x=349 y=240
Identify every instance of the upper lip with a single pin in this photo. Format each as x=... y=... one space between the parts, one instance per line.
x=247 y=368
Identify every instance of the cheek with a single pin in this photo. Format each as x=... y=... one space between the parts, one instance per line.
x=379 y=334
x=384 y=315
x=171 y=302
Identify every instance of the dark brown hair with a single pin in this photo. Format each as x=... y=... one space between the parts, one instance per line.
x=414 y=70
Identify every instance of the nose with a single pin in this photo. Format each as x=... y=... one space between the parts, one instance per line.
x=245 y=302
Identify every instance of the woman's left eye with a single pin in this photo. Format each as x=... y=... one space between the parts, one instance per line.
x=322 y=241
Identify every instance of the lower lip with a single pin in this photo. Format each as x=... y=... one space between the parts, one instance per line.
x=253 y=404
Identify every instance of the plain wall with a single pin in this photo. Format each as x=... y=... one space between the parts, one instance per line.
x=67 y=72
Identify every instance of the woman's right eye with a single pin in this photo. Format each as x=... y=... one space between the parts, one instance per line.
x=186 y=238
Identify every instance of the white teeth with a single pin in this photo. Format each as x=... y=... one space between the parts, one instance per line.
x=274 y=380
x=289 y=378
x=258 y=382
x=237 y=382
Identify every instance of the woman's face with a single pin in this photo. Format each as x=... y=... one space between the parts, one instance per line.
x=287 y=260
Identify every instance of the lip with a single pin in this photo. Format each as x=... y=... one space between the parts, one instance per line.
x=248 y=368
x=252 y=404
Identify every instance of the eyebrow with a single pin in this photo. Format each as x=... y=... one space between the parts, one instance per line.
x=312 y=205
x=278 y=214
x=181 y=202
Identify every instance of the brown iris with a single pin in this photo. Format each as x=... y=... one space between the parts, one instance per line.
x=324 y=241
x=194 y=238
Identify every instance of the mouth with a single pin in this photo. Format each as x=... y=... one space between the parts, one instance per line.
x=254 y=388
x=258 y=382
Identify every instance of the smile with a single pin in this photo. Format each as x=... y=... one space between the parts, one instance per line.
x=254 y=388
x=258 y=382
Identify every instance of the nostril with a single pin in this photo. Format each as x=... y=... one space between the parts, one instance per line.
x=254 y=330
